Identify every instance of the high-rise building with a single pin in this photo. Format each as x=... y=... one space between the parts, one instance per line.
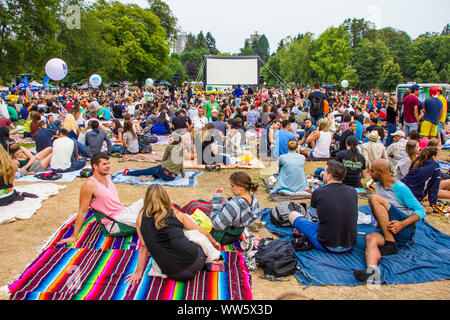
x=253 y=38
x=180 y=43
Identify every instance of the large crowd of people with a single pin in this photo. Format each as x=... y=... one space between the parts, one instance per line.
x=394 y=140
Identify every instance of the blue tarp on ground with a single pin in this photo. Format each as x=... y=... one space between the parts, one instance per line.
x=427 y=260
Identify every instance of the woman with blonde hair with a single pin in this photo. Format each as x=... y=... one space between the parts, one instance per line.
x=160 y=230
x=320 y=141
x=8 y=170
x=71 y=125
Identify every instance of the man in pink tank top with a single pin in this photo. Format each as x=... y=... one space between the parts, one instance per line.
x=99 y=193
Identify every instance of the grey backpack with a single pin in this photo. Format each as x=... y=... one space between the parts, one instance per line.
x=280 y=214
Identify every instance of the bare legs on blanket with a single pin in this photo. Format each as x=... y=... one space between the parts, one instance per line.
x=444 y=189
x=377 y=244
x=45 y=156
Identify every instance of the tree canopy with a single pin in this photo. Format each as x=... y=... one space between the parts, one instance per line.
x=128 y=42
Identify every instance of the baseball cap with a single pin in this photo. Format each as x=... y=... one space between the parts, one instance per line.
x=415 y=87
x=433 y=91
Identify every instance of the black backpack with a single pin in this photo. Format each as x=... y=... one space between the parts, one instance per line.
x=317 y=107
x=280 y=214
x=276 y=257
x=86 y=173
x=146 y=140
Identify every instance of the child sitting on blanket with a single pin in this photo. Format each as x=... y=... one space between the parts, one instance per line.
x=160 y=229
x=229 y=218
x=7 y=174
x=171 y=164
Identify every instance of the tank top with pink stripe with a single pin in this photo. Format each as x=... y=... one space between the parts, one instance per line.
x=107 y=199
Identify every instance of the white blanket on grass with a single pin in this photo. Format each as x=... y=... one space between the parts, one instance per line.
x=195 y=236
x=25 y=209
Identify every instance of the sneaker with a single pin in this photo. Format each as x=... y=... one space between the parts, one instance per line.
x=125 y=172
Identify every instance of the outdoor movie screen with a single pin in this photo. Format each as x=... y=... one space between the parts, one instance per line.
x=231 y=70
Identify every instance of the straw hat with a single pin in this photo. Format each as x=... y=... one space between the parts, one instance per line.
x=373 y=136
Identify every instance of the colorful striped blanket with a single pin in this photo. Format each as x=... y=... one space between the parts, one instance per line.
x=95 y=268
x=89 y=274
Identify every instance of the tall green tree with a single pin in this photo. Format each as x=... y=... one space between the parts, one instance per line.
x=137 y=34
x=248 y=50
x=427 y=73
x=190 y=43
x=262 y=47
x=200 y=41
x=399 y=44
x=370 y=58
x=28 y=35
x=351 y=75
x=390 y=77
x=332 y=54
x=357 y=30
x=295 y=60
x=271 y=70
x=211 y=44
x=444 y=74
x=175 y=66
x=435 y=48
x=166 y=17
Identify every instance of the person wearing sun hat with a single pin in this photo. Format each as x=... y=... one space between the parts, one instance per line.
x=373 y=150
x=433 y=114
x=393 y=151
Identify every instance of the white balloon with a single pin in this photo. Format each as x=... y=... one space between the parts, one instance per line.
x=344 y=83
x=56 y=69
x=95 y=80
x=149 y=82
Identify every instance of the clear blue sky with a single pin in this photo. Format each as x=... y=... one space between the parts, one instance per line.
x=232 y=21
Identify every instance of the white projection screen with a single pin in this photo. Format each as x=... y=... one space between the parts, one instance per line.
x=231 y=70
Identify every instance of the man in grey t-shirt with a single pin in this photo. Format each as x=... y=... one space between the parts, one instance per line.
x=95 y=139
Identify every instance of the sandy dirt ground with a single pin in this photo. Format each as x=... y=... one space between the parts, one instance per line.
x=21 y=240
